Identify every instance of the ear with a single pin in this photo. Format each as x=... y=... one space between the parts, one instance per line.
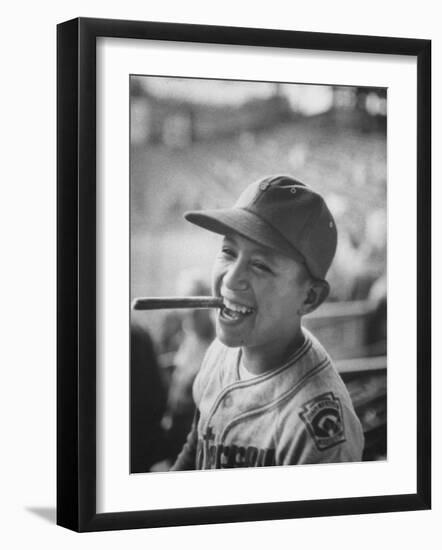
x=316 y=294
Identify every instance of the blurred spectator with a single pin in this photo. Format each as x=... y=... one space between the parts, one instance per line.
x=376 y=332
x=198 y=332
x=170 y=337
x=373 y=254
x=147 y=404
x=358 y=266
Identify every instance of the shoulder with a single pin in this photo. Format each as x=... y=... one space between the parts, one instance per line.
x=319 y=420
x=321 y=376
x=325 y=400
x=317 y=351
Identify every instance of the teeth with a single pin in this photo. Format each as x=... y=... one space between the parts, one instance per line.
x=230 y=314
x=236 y=307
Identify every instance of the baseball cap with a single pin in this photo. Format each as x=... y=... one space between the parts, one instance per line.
x=283 y=214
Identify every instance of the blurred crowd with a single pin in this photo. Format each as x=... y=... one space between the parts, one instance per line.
x=167 y=374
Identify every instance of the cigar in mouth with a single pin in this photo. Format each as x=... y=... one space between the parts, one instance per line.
x=185 y=302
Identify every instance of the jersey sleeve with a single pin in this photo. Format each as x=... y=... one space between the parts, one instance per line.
x=322 y=430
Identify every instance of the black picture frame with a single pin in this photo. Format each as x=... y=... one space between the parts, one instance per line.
x=77 y=287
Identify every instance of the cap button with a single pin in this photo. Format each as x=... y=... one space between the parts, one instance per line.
x=264 y=185
x=293 y=190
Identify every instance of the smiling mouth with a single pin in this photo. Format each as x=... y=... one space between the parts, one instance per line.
x=233 y=311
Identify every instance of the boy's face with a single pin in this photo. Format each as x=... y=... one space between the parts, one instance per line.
x=268 y=287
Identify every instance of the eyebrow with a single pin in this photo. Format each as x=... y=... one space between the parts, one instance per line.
x=265 y=252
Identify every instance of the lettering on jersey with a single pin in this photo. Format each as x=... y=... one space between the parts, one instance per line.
x=211 y=455
x=323 y=419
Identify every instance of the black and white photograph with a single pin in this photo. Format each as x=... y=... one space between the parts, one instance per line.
x=238 y=208
x=258 y=274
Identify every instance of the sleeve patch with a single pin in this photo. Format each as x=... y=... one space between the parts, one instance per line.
x=323 y=419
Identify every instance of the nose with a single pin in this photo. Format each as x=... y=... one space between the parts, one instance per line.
x=235 y=277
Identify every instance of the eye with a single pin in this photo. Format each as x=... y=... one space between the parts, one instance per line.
x=228 y=252
x=261 y=267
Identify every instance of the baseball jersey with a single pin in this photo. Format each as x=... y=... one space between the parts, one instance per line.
x=296 y=413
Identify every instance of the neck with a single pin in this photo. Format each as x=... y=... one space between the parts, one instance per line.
x=258 y=360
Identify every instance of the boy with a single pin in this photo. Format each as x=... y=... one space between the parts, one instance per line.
x=267 y=393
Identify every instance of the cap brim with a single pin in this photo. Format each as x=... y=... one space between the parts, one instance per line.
x=245 y=223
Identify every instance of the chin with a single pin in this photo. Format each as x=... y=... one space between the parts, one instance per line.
x=229 y=340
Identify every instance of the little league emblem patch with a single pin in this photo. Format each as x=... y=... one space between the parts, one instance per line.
x=323 y=418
